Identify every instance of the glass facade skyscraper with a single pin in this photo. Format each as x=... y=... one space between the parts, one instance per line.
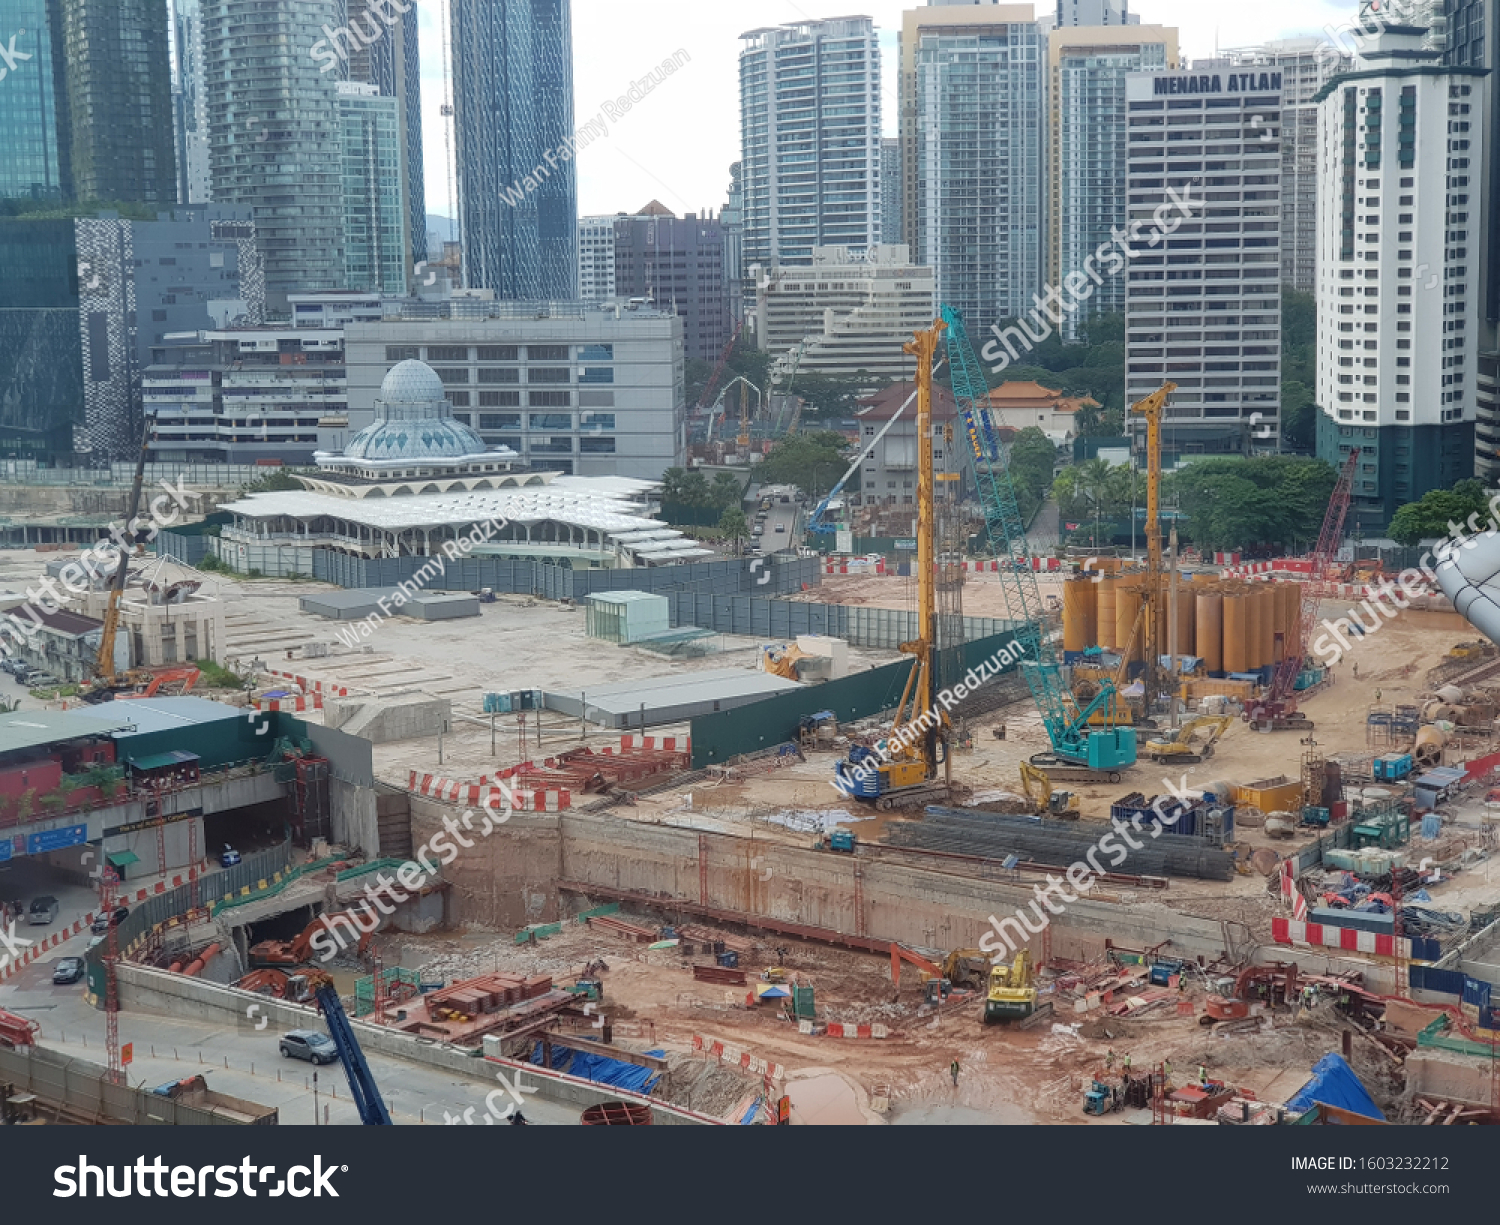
x=810 y=137
x=375 y=221
x=36 y=164
x=513 y=106
x=273 y=124
x=980 y=127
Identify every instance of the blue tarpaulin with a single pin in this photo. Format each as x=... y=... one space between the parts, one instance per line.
x=1334 y=1083
x=599 y=1069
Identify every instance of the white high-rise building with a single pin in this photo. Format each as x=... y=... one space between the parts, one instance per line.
x=973 y=127
x=1203 y=303
x=810 y=132
x=1400 y=237
x=596 y=258
x=1306 y=65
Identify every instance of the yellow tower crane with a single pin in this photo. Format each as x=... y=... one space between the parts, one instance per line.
x=1153 y=409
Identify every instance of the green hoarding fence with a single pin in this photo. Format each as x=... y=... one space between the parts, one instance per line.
x=717 y=738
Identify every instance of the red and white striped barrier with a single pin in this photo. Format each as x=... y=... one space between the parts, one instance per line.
x=315 y=702
x=738 y=1057
x=839 y=1030
x=669 y=744
x=34 y=952
x=311 y=686
x=1341 y=939
x=483 y=795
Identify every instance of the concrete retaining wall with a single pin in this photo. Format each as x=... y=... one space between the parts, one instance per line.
x=388 y=720
x=1443 y=1074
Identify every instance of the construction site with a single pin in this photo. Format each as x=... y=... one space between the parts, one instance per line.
x=1010 y=838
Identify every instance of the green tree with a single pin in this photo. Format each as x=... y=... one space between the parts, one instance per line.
x=1033 y=465
x=1438 y=512
x=671 y=485
x=1272 y=500
x=1299 y=416
x=796 y=460
x=735 y=527
x=696 y=490
x=727 y=491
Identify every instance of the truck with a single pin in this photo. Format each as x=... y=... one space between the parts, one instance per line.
x=194 y=1091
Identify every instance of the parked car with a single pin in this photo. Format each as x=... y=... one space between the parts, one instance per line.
x=781 y=527
x=310 y=1045
x=43 y=910
x=68 y=970
x=102 y=923
x=229 y=858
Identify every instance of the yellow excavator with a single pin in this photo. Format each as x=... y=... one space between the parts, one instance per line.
x=1179 y=748
x=1044 y=801
x=967 y=968
x=1119 y=712
x=1012 y=994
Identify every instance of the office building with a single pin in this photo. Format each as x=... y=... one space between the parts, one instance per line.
x=274 y=136
x=376 y=220
x=1306 y=65
x=1086 y=166
x=853 y=314
x=569 y=387
x=87 y=104
x=238 y=396
x=83 y=301
x=596 y=258
x=1472 y=40
x=513 y=110
x=973 y=123
x=676 y=264
x=1203 y=303
x=810 y=127
x=732 y=222
x=890 y=191
x=190 y=104
x=1400 y=310
x=391 y=60
x=1073 y=14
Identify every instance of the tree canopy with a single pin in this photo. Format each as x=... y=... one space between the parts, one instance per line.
x=808 y=461
x=1431 y=516
x=1095 y=367
x=1033 y=464
x=1238 y=503
x=1097 y=492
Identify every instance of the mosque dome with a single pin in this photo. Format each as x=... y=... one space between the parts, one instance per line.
x=414 y=421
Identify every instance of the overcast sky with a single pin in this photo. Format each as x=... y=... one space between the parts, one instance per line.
x=677 y=144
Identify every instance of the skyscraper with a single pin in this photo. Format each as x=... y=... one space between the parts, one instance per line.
x=890 y=191
x=392 y=61
x=1072 y=14
x=190 y=104
x=596 y=258
x=87 y=104
x=1401 y=141
x=1203 y=306
x=677 y=263
x=375 y=216
x=1088 y=139
x=274 y=139
x=810 y=139
x=973 y=123
x=513 y=112
x=732 y=222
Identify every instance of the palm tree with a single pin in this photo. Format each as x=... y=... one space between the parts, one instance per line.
x=735 y=527
x=728 y=491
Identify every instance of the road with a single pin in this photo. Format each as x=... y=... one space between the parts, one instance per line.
x=786 y=517
x=238 y=1060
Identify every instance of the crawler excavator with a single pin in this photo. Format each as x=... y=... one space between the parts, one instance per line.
x=1012 y=994
x=1180 y=749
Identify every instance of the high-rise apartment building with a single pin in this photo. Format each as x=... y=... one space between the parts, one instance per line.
x=190 y=104
x=87 y=104
x=732 y=222
x=810 y=134
x=1074 y=14
x=1306 y=65
x=1203 y=303
x=596 y=258
x=890 y=191
x=973 y=124
x=274 y=136
x=513 y=111
x=1472 y=40
x=677 y=265
x=392 y=61
x=1400 y=311
x=376 y=222
x=1086 y=166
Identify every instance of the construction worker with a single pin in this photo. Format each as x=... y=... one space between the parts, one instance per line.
x=1203 y=1075
x=953 y=1070
x=1166 y=1071
x=1109 y=1060
x=1377 y=697
x=1126 y=1066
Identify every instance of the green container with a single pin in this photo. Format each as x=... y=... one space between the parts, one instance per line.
x=802 y=1003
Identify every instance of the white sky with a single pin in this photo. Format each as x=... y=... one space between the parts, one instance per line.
x=677 y=144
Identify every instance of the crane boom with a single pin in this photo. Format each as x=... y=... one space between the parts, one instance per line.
x=367 y=1099
x=104 y=665
x=816 y=524
x=1112 y=748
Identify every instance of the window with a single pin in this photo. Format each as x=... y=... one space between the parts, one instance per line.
x=499 y=353
x=500 y=421
x=597 y=421
x=596 y=353
x=552 y=446
x=550 y=399
x=596 y=399
x=402 y=353
x=547 y=353
x=499 y=399
x=499 y=376
x=447 y=353
x=451 y=374
x=552 y=421
x=549 y=374
x=596 y=446
x=596 y=375
x=459 y=399
x=464 y=418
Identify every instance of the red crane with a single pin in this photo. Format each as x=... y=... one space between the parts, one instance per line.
x=713 y=380
x=1278 y=709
